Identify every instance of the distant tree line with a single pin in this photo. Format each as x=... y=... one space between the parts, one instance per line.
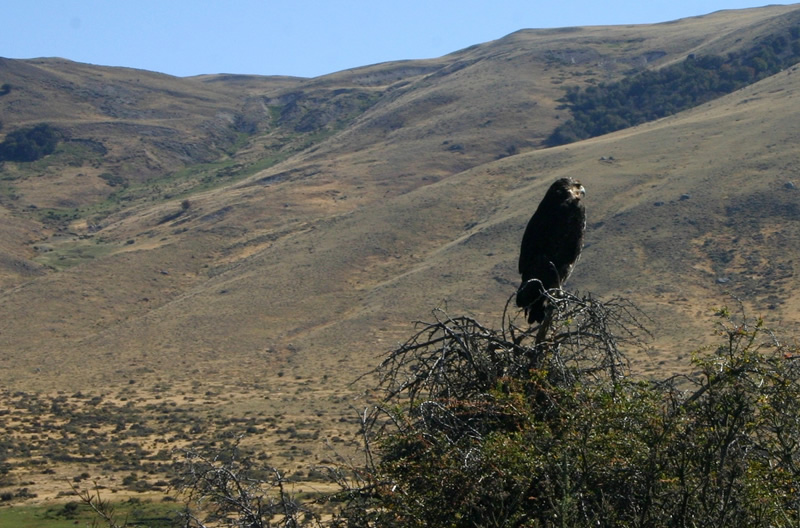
x=653 y=94
x=29 y=144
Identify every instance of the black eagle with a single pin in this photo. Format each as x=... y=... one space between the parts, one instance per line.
x=550 y=246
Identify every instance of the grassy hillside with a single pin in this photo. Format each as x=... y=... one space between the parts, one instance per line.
x=272 y=237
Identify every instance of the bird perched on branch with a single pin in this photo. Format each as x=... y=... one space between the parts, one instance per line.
x=550 y=246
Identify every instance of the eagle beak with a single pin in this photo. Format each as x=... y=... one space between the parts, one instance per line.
x=582 y=191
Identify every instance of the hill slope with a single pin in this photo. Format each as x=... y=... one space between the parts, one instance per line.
x=321 y=216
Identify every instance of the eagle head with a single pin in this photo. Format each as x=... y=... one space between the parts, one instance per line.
x=568 y=189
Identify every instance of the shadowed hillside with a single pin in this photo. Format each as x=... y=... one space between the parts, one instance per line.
x=241 y=230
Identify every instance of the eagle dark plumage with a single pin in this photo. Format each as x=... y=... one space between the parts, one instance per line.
x=551 y=244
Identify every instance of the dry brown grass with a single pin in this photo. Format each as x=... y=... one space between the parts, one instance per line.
x=125 y=443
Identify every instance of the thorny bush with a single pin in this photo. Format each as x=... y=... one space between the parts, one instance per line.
x=548 y=427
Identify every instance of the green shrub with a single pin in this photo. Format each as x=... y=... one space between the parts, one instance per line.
x=29 y=144
x=114 y=180
x=507 y=428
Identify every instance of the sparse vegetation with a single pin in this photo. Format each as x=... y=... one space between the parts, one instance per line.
x=107 y=434
x=114 y=180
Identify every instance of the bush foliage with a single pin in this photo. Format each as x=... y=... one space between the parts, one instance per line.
x=511 y=428
x=653 y=94
x=29 y=144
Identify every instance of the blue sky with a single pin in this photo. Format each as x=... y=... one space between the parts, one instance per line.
x=297 y=37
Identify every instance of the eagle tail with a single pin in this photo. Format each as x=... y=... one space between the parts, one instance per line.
x=530 y=296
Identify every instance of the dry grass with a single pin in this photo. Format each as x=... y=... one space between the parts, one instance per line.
x=125 y=443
